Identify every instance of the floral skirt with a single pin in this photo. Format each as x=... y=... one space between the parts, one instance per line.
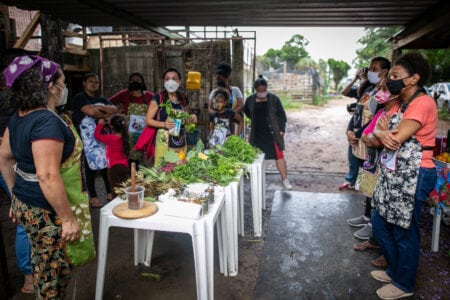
x=50 y=266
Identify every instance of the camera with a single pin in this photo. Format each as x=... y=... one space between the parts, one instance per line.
x=351 y=107
x=365 y=69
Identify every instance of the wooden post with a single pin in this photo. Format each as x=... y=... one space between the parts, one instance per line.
x=52 y=39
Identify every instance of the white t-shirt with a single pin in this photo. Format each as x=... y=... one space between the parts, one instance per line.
x=235 y=94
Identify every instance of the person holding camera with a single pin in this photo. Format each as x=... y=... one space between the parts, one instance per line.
x=378 y=69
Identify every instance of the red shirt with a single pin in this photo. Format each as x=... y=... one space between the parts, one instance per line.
x=124 y=97
x=114 y=147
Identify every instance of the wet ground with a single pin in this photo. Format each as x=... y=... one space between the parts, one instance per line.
x=316 y=156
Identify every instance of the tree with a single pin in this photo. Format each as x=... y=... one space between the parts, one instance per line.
x=374 y=42
x=294 y=50
x=324 y=74
x=440 y=64
x=306 y=64
x=339 y=68
x=291 y=52
x=271 y=59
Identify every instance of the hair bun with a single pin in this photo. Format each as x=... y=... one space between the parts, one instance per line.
x=260 y=76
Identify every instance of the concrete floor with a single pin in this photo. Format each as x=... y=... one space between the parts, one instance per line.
x=308 y=251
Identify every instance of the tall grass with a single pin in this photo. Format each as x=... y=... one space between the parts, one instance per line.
x=288 y=104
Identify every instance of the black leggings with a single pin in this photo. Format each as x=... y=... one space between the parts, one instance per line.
x=368 y=210
x=90 y=179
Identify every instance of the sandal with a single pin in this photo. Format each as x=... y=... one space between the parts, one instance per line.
x=379 y=262
x=364 y=246
x=95 y=203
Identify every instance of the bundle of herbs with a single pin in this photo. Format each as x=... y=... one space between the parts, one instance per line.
x=236 y=147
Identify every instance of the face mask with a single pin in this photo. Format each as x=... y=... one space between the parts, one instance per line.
x=395 y=87
x=373 y=77
x=261 y=95
x=382 y=96
x=63 y=100
x=136 y=86
x=221 y=84
x=171 y=86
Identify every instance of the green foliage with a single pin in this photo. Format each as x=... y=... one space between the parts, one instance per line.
x=339 y=68
x=294 y=50
x=288 y=104
x=444 y=114
x=320 y=100
x=374 y=43
x=236 y=147
x=291 y=53
x=440 y=64
x=173 y=113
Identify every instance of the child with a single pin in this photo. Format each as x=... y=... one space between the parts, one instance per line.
x=223 y=120
x=117 y=148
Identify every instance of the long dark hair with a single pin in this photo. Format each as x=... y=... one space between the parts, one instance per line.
x=29 y=90
x=119 y=125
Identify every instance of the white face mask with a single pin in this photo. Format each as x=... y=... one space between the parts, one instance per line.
x=261 y=95
x=171 y=86
x=373 y=77
x=63 y=100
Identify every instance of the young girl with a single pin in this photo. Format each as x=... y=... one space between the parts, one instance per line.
x=223 y=120
x=117 y=149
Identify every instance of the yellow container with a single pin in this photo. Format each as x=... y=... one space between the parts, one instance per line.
x=194 y=80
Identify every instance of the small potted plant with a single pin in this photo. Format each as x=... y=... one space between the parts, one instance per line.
x=192 y=134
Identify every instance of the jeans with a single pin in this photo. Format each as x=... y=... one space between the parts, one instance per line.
x=22 y=245
x=399 y=245
x=353 y=166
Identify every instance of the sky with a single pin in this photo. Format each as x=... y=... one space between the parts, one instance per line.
x=331 y=42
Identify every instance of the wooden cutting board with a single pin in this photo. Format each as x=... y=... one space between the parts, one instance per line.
x=122 y=211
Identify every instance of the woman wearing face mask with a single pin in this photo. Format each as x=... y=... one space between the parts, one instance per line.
x=44 y=175
x=268 y=125
x=134 y=102
x=158 y=119
x=407 y=175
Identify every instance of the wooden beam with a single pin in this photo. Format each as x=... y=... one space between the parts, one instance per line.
x=81 y=52
x=73 y=34
x=23 y=40
x=75 y=68
x=441 y=22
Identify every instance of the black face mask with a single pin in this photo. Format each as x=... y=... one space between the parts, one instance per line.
x=221 y=84
x=395 y=87
x=136 y=86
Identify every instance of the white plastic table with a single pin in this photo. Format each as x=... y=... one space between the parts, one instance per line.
x=437 y=227
x=258 y=190
x=201 y=231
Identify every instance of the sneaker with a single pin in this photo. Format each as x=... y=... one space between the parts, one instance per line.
x=358 y=221
x=346 y=186
x=390 y=291
x=381 y=276
x=364 y=233
x=286 y=184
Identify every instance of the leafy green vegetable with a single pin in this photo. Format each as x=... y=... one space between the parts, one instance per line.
x=236 y=147
x=171 y=157
x=153 y=276
x=150 y=199
x=174 y=113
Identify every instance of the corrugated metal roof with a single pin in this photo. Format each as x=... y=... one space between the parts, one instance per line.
x=152 y=13
x=426 y=22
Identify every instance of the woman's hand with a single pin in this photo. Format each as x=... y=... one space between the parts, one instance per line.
x=282 y=133
x=192 y=119
x=169 y=124
x=387 y=138
x=351 y=137
x=70 y=230
x=12 y=215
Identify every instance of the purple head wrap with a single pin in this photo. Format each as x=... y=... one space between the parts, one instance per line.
x=20 y=64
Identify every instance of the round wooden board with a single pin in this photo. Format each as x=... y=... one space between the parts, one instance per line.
x=121 y=211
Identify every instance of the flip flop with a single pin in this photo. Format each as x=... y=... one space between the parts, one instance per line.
x=26 y=291
x=379 y=262
x=364 y=246
x=95 y=203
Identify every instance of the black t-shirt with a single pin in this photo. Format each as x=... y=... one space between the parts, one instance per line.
x=225 y=118
x=37 y=125
x=81 y=100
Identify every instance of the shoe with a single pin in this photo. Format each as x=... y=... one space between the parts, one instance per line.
x=346 y=186
x=381 y=276
x=390 y=291
x=286 y=184
x=366 y=245
x=364 y=233
x=358 y=221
